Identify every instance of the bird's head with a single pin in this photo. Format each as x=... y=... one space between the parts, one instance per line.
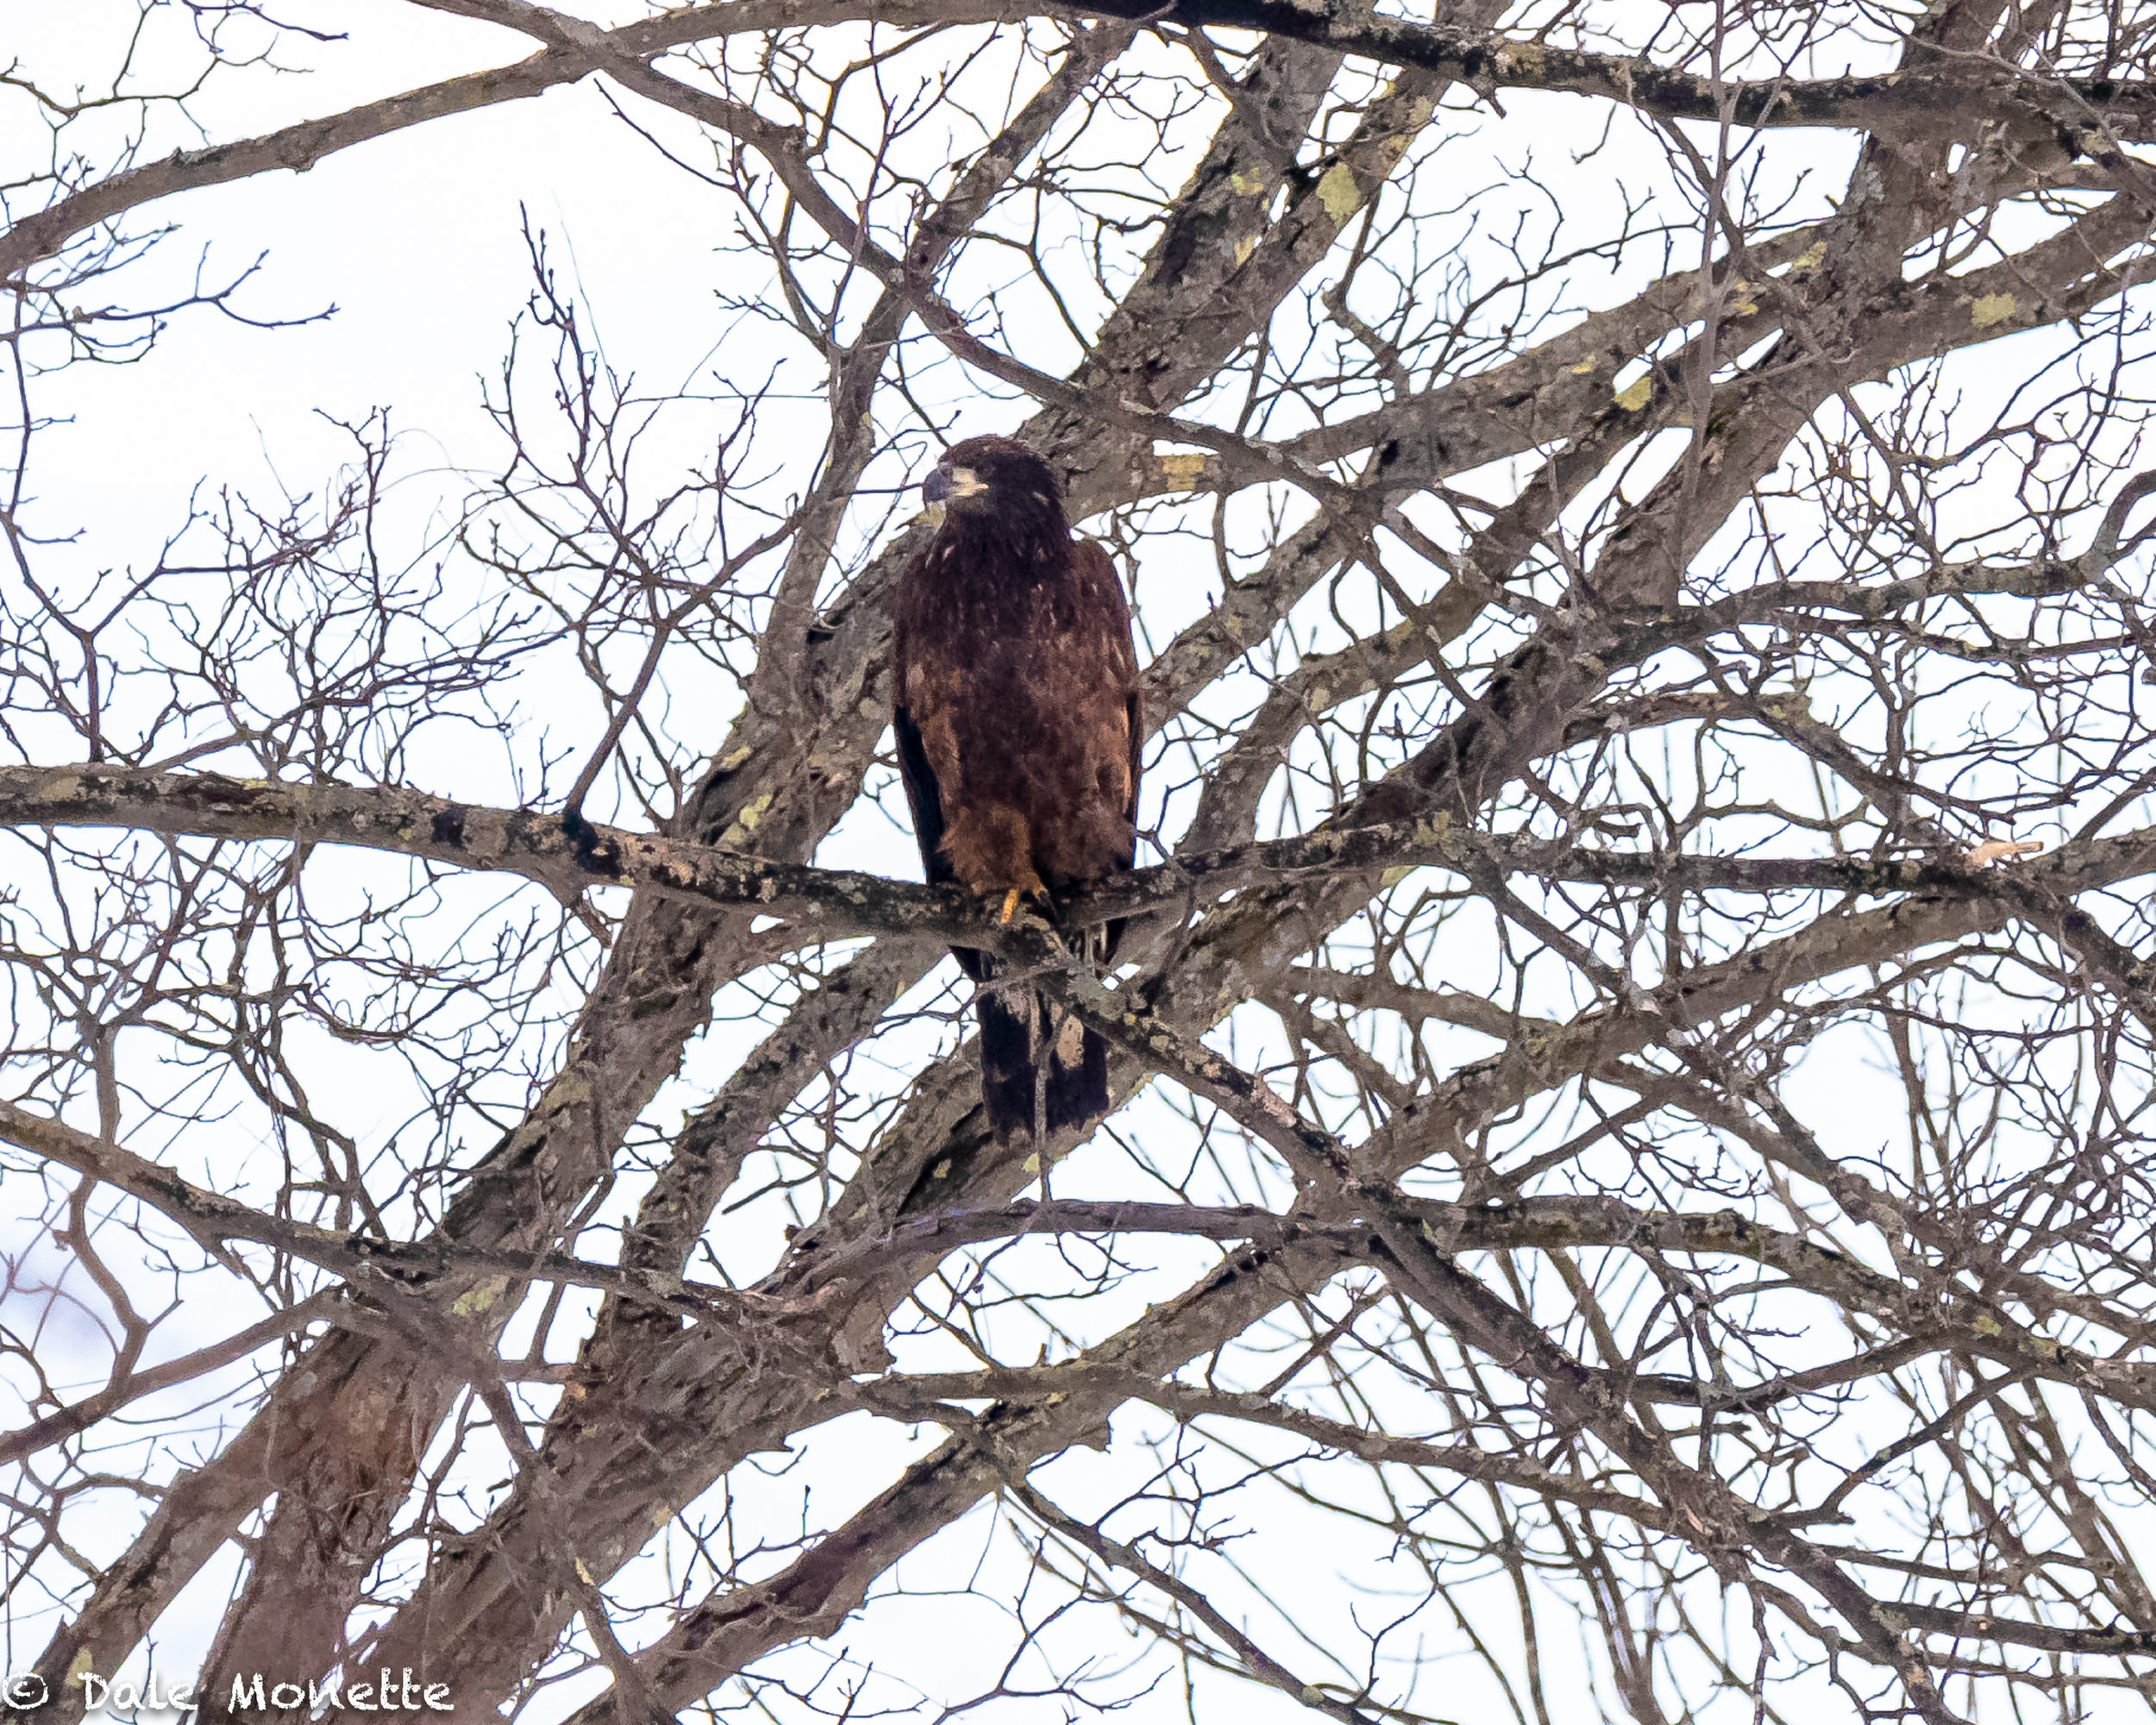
x=993 y=476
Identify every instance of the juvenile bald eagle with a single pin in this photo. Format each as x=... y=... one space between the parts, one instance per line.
x=1018 y=732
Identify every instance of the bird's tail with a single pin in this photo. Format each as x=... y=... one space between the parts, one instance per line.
x=1040 y=1068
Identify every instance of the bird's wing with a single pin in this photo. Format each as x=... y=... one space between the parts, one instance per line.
x=1104 y=591
x=922 y=795
x=921 y=720
x=1134 y=710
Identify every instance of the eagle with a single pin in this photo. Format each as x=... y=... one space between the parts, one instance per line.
x=1016 y=721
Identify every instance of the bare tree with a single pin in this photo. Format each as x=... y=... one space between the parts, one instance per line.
x=1634 y=1041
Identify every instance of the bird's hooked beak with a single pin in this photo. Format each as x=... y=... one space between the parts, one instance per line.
x=945 y=484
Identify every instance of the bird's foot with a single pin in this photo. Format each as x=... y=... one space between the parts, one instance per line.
x=1032 y=895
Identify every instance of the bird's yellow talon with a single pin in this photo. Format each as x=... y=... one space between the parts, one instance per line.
x=1010 y=905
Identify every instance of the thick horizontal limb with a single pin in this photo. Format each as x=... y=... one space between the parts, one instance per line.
x=569 y=858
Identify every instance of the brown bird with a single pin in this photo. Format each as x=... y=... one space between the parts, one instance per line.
x=1018 y=737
